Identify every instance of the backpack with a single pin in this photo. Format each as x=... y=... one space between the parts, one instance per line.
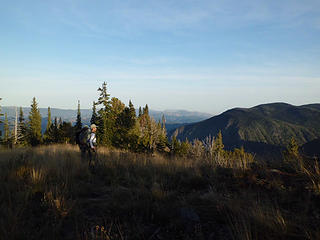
x=84 y=136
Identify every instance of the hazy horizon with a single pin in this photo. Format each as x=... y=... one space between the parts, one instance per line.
x=206 y=56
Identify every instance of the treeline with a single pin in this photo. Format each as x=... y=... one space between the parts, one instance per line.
x=118 y=127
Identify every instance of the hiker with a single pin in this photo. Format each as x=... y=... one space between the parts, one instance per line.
x=87 y=142
x=92 y=151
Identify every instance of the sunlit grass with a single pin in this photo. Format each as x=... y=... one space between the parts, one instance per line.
x=49 y=192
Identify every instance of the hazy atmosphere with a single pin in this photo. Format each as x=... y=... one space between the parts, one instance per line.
x=195 y=55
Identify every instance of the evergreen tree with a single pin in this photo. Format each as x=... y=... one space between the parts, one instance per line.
x=94 y=116
x=0 y=119
x=104 y=132
x=124 y=126
x=163 y=122
x=66 y=132
x=55 y=131
x=6 y=137
x=132 y=110
x=175 y=145
x=116 y=109
x=104 y=97
x=34 y=130
x=49 y=122
x=146 y=110
x=140 y=112
x=78 y=125
x=1 y=114
x=22 y=129
x=47 y=137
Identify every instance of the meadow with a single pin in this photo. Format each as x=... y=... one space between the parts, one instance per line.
x=49 y=192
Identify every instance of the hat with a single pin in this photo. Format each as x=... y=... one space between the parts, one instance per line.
x=93 y=126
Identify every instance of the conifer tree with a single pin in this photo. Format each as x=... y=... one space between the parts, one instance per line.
x=104 y=133
x=104 y=97
x=47 y=137
x=132 y=110
x=6 y=137
x=0 y=118
x=146 y=110
x=94 y=116
x=1 y=114
x=78 y=125
x=34 y=130
x=125 y=136
x=55 y=131
x=49 y=122
x=140 y=112
x=117 y=129
x=163 y=120
x=22 y=129
x=66 y=132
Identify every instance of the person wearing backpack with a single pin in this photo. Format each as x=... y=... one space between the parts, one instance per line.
x=87 y=142
x=92 y=144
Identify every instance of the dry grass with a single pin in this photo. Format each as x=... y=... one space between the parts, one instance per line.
x=50 y=193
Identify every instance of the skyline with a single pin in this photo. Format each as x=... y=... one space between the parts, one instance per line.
x=205 y=56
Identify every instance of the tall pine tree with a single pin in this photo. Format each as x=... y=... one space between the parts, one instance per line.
x=47 y=137
x=1 y=114
x=78 y=125
x=22 y=129
x=94 y=116
x=34 y=130
x=0 y=118
x=49 y=122
x=104 y=131
x=6 y=137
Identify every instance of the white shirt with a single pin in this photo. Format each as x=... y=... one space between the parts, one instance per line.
x=92 y=140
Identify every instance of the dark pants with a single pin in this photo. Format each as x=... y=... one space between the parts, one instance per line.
x=88 y=153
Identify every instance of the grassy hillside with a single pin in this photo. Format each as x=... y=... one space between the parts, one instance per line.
x=269 y=124
x=50 y=193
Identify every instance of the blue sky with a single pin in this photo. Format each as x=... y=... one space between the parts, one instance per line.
x=171 y=54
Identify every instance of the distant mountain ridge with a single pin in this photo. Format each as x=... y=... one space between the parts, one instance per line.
x=174 y=118
x=265 y=125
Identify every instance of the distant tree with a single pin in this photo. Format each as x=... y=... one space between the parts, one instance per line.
x=146 y=110
x=1 y=114
x=104 y=131
x=140 y=112
x=125 y=136
x=66 y=132
x=6 y=137
x=55 y=131
x=47 y=137
x=132 y=110
x=94 y=116
x=175 y=145
x=104 y=97
x=49 y=122
x=22 y=129
x=78 y=125
x=163 y=122
x=34 y=130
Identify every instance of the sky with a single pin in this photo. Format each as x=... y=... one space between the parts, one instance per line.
x=204 y=55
